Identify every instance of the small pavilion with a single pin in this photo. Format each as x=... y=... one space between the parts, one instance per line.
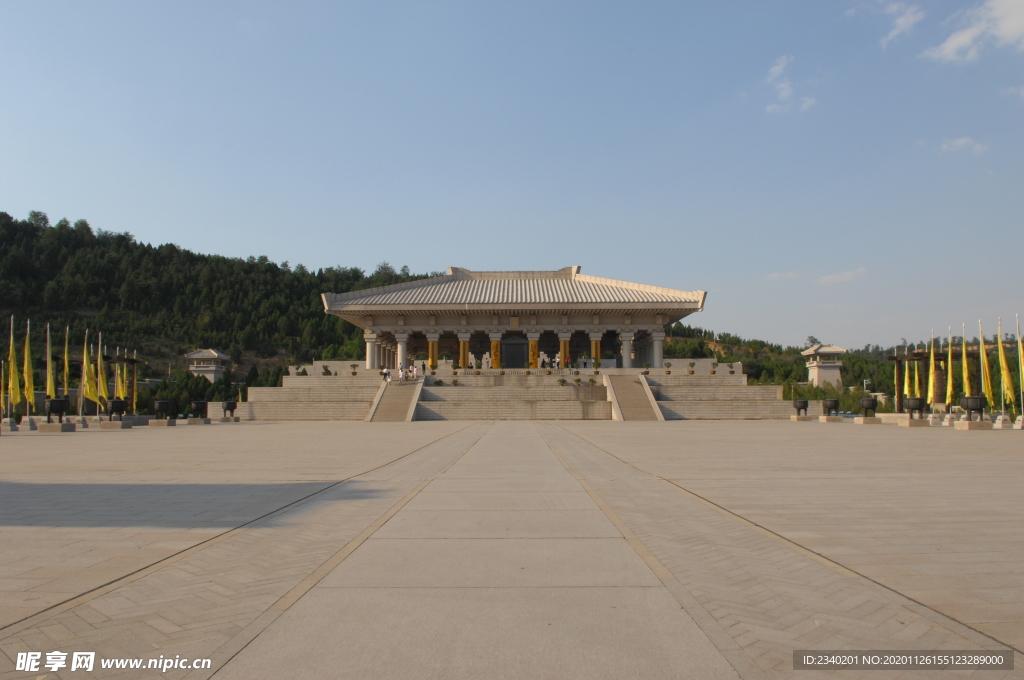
x=515 y=318
x=824 y=365
x=209 y=363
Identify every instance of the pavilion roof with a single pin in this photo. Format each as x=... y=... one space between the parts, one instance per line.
x=207 y=354
x=561 y=287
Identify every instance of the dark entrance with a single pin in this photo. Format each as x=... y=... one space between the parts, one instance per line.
x=515 y=352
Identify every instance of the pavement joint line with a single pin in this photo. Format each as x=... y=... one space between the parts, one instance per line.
x=936 y=616
x=244 y=637
x=744 y=666
x=91 y=594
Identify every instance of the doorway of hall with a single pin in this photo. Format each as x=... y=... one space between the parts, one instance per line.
x=515 y=352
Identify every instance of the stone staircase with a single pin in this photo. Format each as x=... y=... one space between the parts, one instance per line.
x=512 y=397
x=395 y=403
x=312 y=398
x=726 y=397
x=632 y=397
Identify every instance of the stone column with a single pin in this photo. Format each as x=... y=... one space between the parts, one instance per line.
x=371 y=351
x=403 y=349
x=563 y=348
x=432 y=350
x=495 y=348
x=534 y=339
x=595 y=344
x=658 y=349
x=464 y=349
x=627 y=348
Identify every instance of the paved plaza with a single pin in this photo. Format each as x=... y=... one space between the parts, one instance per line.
x=558 y=549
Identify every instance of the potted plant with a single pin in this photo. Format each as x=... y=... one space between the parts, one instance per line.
x=562 y=381
x=501 y=371
x=597 y=365
x=455 y=382
x=647 y=369
x=477 y=366
x=437 y=381
x=713 y=367
x=353 y=367
x=577 y=381
x=730 y=369
x=668 y=364
x=692 y=364
x=575 y=366
x=326 y=370
x=592 y=382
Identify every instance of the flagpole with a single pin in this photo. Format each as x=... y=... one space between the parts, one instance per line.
x=1020 y=368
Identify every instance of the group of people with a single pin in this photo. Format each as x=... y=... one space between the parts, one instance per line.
x=409 y=373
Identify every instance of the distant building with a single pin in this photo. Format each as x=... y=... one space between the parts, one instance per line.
x=208 y=363
x=823 y=365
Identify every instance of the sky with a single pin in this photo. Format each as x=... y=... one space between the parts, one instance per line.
x=852 y=170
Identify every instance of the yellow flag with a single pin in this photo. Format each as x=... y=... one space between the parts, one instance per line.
x=1020 y=365
x=906 y=379
x=917 y=380
x=135 y=382
x=101 y=374
x=27 y=373
x=949 y=370
x=67 y=330
x=51 y=381
x=1005 y=377
x=986 y=371
x=931 y=371
x=14 y=385
x=964 y=366
x=87 y=387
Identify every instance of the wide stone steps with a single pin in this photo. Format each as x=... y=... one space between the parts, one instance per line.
x=333 y=381
x=730 y=410
x=314 y=394
x=395 y=403
x=310 y=410
x=556 y=393
x=729 y=393
x=632 y=398
x=513 y=410
x=719 y=379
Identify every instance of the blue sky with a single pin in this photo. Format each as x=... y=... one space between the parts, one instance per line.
x=851 y=170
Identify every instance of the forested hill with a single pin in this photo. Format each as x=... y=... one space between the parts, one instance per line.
x=164 y=301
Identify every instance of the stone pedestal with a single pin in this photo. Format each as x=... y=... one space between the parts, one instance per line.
x=867 y=420
x=115 y=425
x=56 y=427
x=934 y=420
x=948 y=420
x=9 y=425
x=1002 y=423
x=972 y=425
x=914 y=422
x=198 y=421
x=801 y=419
x=30 y=422
x=166 y=422
x=830 y=419
x=229 y=419
x=1019 y=425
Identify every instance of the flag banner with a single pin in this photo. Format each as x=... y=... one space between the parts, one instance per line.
x=51 y=379
x=964 y=365
x=102 y=390
x=1005 y=377
x=87 y=388
x=28 y=377
x=986 y=371
x=906 y=380
x=931 y=371
x=67 y=331
x=949 y=370
x=14 y=384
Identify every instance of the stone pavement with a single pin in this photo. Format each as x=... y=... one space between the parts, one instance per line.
x=514 y=549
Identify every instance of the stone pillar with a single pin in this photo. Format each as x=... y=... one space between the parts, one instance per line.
x=432 y=339
x=563 y=348
x=534 y=339
x=658 y=349
x=627 y=348
x=464 y=349
x=371 y=351
x=595 y=345
x=403 y=349
x=495 y=348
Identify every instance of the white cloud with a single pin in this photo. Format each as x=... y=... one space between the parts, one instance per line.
x=782 y=276
x=963 y=144
x=1017 y=91
x=845 y=277
x=906 y=16
x=998 y=20
x=783 y=87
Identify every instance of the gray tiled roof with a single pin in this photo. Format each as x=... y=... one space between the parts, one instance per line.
x=463 y=287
